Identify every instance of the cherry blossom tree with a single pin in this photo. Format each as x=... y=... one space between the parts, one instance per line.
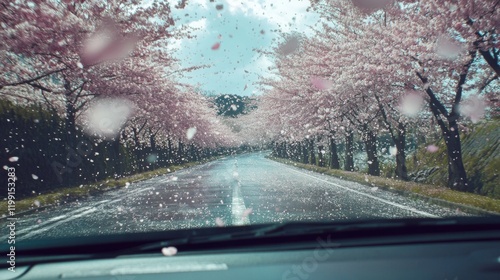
x=79 y=50
x=429 y=46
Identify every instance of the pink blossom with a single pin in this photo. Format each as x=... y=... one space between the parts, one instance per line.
x=169 y=251
x=320 y=83
x=447 y=49
x=219 y=222
x=247 y=212
x=473 y=108
x=432 y=148
x=411 y=103
x=216 y=46
x=13 y=159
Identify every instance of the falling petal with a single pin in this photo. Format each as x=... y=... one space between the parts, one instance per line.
x=247 y=212
x=216 y=46
x=474 y=108
x=219 y=222
x=107 y=44
x=411 y=104
x=106 y=117
x=169 y=251
x=320 y=83
x=13 y=159
x=34 y=177
x=393 y=151
x=432 y=148
x=190 y=133
x=37 y=203
x=447 y=49
x=152 y=158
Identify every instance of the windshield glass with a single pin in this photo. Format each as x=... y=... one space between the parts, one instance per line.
x=140 y=116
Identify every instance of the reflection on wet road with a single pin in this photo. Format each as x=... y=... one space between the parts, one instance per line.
x=236 y=190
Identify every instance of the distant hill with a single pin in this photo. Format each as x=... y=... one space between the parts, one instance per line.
x=232 y=105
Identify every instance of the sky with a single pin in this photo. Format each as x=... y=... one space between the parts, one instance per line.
x=241 y=27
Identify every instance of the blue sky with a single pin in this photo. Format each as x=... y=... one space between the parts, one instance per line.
x=240 y=27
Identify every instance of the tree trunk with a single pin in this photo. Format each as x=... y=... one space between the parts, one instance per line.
x=117 y=158
x=70 y=125
x=457 y=177
x=334 y=158
x=180 y=152
x=305 y=154
x=349 y=160
x=312 y=151
x=321 y=161
x=152 y=143
x=400 y=142
x=371 y=152
x=170 y=153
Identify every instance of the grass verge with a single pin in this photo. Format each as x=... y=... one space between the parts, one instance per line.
x=68 y=194
x=467 y=202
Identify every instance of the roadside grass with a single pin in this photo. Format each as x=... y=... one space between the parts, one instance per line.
x=64 y=195
x=436 y=194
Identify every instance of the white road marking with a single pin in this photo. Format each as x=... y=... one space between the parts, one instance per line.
x=370 y=196
x=238 y=208
x=54 y=219
x=80 y=212
x=36 y=232
x=39 y=225
x=238 y=204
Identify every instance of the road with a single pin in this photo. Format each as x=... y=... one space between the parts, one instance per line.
x=236 y=190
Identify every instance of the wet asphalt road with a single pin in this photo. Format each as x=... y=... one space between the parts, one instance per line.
x=236 y=190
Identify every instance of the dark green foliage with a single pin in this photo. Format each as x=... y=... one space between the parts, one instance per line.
x=229 y=105
x=47 y=161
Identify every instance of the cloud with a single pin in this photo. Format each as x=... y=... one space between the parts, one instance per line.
x=286 y=15
x=240 y=27
x=200 y=24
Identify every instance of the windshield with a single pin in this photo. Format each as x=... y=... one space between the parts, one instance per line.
x=133 y=116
